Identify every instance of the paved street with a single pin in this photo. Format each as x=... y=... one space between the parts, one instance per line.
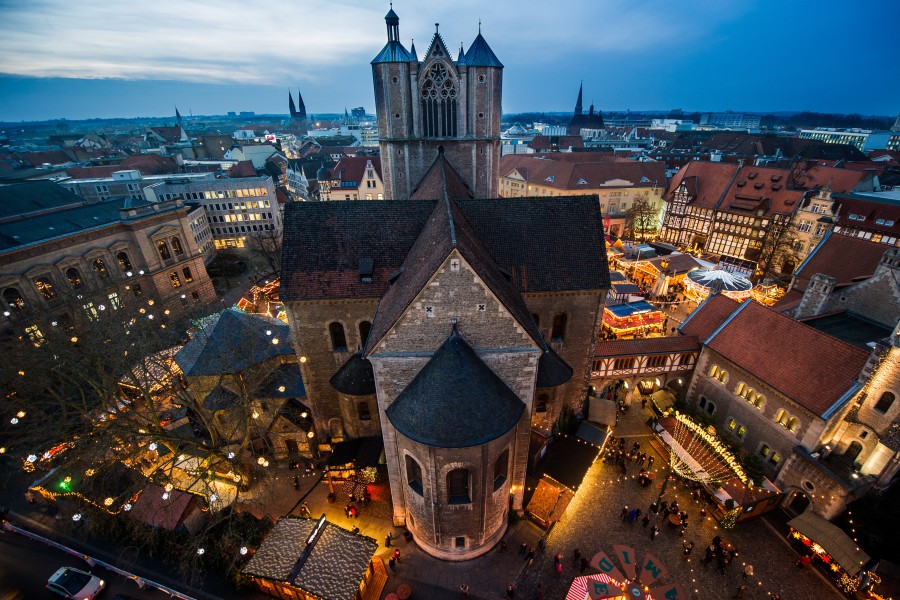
x=26 y=564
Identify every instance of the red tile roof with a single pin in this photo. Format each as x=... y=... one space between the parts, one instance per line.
x=170 y=135
x=645 y=346
x=91 y=172
x=353 y=169
x=441 y=177
x=847 y=259
x=839 y=180
x=587 y=175
x=761 y=187
x=707 y=182
x=709 y=315
x=150 y=164
x=243 y=168
x=52 y=157
x=872 y=209
x=810 y=367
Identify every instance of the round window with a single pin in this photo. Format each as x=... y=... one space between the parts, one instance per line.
x=808 y=486
x=481 y=79
x=395 y=79
x=396 y=115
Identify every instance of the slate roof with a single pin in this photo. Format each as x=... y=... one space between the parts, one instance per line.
x=333 y=567
x=513 y=230
x=677 y=263
x=567 y=461
x=480 y=54
x=34 y=196
x=810 y=367
x=847 y=259
x=445 y=231
x=355 y=377
x=231 y=341
x=455 y=401
x=552 y=370
x=393 y=52
x=566 y=174
x=708 y=316
x=352 y=169
x=219 y=398
x=646 y=346
x=441 y=178
x=285 y=375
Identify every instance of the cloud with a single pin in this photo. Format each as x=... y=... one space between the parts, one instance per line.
x=249 y=42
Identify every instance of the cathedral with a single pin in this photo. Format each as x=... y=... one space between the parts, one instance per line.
x=452 y=324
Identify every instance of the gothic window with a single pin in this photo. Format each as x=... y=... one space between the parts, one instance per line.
x=74 y=278
x=100 y=268
x=44 y=286
x=458 y=487
x=14 y=298
x=338 y=338
x=124 y=261
x=558 y=332
x=885 y=402
x=438 y=96
x=364 y=328
x=413 y=475
x=501 y=467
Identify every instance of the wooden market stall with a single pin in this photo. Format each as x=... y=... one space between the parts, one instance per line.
x=634 y=318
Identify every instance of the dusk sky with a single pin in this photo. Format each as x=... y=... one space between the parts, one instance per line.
x=90 y=58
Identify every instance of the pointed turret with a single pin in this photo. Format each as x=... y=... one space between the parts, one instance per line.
x=177 y=116
x=480 y=54
x=413 y=57
x=393 y=51
x=578 y=109
x=462 y=56
x=301 y=107
x=291 y=106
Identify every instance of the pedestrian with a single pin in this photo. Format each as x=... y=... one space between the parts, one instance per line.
x=687 y=548
x=510 y=592
x=540 y=592
x=740 y=591
x=502 y=545
x=397 y=554
x=632 y=515
x=747 y=572
x=584 y=565
x=523 y=548
x=576 y=556
x=664 y=507
x=654 y=531
x=392 y=564
x=559 y=570
x=703 y=514
x=530 y=555
x=557 y=559
x=542 y=544
x=650 y=462
x=388 y=538
x=353 y=512
x=646 y=520
x=296 y=482
x=624 y=513
x=464 y=591
x=708 y=554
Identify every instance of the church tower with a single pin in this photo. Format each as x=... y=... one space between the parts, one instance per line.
x=437 y=107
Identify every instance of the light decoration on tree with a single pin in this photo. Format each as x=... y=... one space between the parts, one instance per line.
x=731 y=517
x=692 y=436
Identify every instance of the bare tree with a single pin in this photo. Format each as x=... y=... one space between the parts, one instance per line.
x=267 y=245
x=778 y=255
x=643 y=218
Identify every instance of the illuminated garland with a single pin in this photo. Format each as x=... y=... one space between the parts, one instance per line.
x=714 y=443
x=730 y=518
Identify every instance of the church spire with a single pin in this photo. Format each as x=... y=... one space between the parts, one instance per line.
x=177 y=116
x=578 y=108
x=291 y=106
x=393 y=25
x=301 y=107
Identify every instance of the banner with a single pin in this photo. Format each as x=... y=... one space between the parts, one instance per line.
x=598 y=590
x=652 y=570
x=626 y=559
x=602 y=563
x=672 y=591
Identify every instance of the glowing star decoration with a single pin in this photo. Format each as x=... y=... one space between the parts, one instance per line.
x=275 y=341
x=127 y=507
x=268 y=332
x=152 y=446
x=165 y=496
x=201 y=551
x=261 y=460
x=281 y=388
x=21 y=414
x=31 y=458
x=310 y=434
x=76 y=517
x=74 y=339
x=255 y=415
x=3 y=450
x=108 y=502
x=230 y=455
x=169 y=487
x=243 y=550
x=213 y=498
x=14 y=421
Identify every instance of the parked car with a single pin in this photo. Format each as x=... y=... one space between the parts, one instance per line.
x=75 y=584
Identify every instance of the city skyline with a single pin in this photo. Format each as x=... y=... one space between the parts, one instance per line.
x=90 y=61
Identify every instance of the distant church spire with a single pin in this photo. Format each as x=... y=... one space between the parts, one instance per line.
x=301 y=107
x=291 y=107
x=578 y=108
x=177 y=116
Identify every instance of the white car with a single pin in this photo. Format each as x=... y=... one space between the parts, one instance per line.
x=75 y=584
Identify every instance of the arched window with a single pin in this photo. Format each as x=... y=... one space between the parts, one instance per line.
x=781 y=416
x=702 y=402
x=722 y=376
x=176 y=247
x=100 y=268
x=885 y=402
x=163 y=248
x=710 y=407
x=413 y=475
x=741 y=389
x=338 y=338
x=558 y=332
x=759 y=401
x=124 y=261
x=792 y=424
x=458 y=487
x=362 y=410
x=364 y=328
x=14 y=298
x=501 y=468
x=74 y=278
x=44 y=286
x=714 y=372
x=540 y=404
x=438 y=97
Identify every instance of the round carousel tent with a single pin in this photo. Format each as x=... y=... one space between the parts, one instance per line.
x=700 y=282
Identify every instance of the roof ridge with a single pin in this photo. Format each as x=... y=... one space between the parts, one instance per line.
x=446 y=200
x=809 y=327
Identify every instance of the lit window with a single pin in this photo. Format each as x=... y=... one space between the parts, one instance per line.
x=124 y=261
x=46 y=289
x=501 y=468
x=74 y=278
x=731 y=424
x=885 y=402
x=176 y=281
x=764 y=451
x=100 y=268
x=741 y=431
x=188 y=276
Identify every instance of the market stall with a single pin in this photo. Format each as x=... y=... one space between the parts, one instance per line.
x=634 y=318
x=699 y=282
x=827 y=545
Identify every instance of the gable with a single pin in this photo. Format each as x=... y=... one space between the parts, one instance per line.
x=455 y=291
